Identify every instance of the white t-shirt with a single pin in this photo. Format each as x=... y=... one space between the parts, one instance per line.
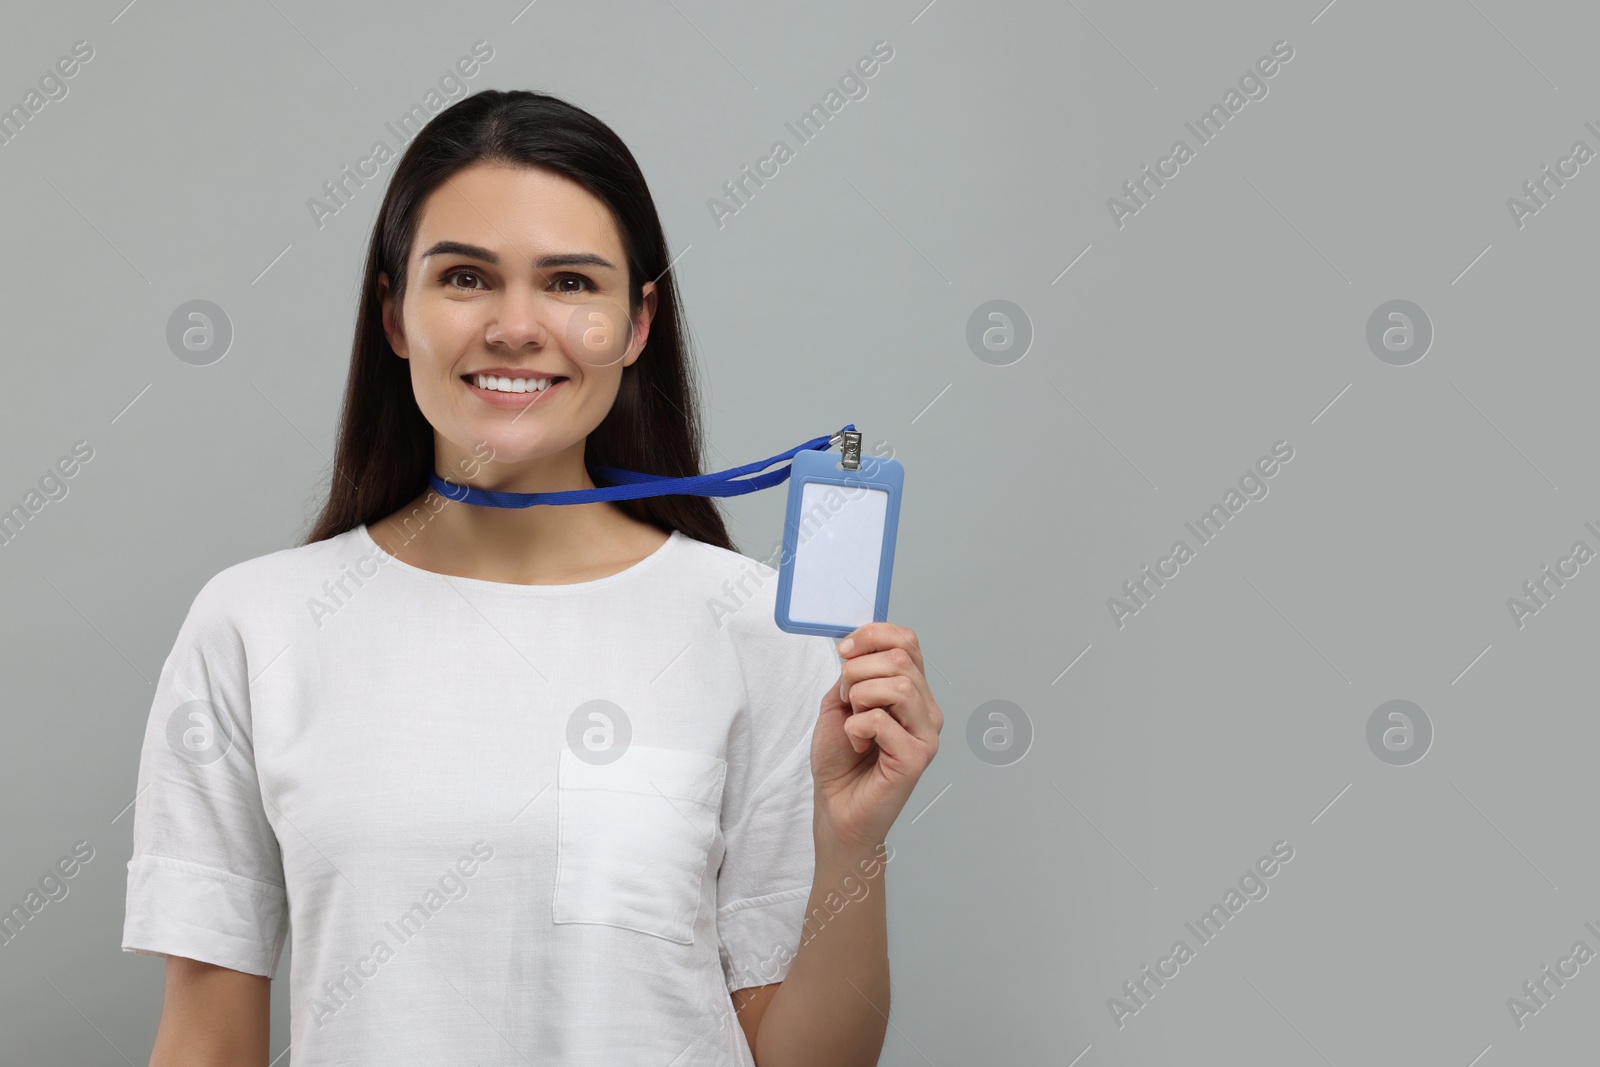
x=410 y=765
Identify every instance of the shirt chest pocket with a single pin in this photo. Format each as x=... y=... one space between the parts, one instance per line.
x=634 y=837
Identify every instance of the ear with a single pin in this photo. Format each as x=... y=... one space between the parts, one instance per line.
x=391 y=328
x=641 y=324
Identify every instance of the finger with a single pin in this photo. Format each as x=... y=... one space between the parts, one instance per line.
x=898 y=747
x=877 y=637
x=900 y=698
x=890 y=663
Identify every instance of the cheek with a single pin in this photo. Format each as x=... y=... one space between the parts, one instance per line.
x=588 y=400
x=587 y=406
x=433 y=323
x=440 y=348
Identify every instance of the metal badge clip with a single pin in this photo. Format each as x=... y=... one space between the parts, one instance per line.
x=850 y=458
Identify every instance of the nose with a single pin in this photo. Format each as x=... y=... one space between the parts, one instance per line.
x=521 y=318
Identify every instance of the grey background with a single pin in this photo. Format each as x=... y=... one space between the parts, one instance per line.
x=1227 y=315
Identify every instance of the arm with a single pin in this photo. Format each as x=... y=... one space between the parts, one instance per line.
x=877 y=732
x=833 y=1005
x=212 y=1017
x=750 y=1005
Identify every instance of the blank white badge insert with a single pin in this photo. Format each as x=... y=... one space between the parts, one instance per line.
x=838 y=553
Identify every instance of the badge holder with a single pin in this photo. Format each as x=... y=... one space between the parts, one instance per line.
x=838 y=533
x=838 y=540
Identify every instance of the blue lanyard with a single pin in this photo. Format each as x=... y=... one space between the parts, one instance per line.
x=630 y=485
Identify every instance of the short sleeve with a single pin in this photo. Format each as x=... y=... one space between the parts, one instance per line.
x=206 y=878
x=769 y=860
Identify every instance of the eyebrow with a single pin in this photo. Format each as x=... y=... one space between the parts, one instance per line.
x=568 y=259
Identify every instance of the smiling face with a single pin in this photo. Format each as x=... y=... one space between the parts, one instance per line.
x=515 y=322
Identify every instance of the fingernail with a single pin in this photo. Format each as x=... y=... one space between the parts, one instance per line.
x=844 y=690
x=846 y=645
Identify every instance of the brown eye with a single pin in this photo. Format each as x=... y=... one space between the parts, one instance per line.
x=585 y=287
x=458 y=272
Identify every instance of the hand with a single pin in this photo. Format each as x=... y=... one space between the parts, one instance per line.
x=878 y=731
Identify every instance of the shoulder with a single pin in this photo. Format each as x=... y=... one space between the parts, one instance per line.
x=277 y=580
x=714 y=563
x=741 y=597
x=246 y=614
x=740 y=592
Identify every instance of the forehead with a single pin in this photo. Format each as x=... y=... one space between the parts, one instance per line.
x=523 y=211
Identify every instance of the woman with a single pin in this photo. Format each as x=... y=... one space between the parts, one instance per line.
x=537 y=785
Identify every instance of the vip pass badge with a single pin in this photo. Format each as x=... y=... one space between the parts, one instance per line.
x=838 y=532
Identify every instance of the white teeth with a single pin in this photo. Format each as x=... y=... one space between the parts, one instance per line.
x=512 y=385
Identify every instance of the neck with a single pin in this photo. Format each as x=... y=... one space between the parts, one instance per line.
x=541 y=544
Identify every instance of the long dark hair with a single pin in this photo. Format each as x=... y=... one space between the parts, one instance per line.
x=385 y=449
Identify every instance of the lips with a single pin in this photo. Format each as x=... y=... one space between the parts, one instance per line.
x=471 y=376
x=496 y=398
